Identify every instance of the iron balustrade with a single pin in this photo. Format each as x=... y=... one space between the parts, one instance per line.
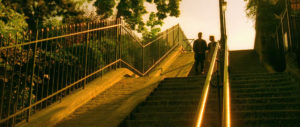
x=39 y=68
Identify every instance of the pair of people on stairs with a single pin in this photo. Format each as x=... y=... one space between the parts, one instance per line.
x=200 y=47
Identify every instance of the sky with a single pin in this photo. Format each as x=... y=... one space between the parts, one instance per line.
x=203 y=16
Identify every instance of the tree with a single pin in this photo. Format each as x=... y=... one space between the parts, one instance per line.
x=133 y=10
x=11 y=22
x=38 y=11
x=266 y=14
x=153 y=22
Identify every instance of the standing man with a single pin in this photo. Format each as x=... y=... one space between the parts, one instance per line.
x=199 y=48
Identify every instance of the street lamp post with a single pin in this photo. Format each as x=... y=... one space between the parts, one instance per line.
x=223 y=42
x=222 y=8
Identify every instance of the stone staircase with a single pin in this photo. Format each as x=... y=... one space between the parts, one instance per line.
x=174 y=104
x=264 y=100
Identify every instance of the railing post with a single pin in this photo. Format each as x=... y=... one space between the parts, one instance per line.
x=178 y=28
x=143 y=59
x=173 y=41
x=120 y=36
x=31 y=78
x=86 y=54
x=117 y=44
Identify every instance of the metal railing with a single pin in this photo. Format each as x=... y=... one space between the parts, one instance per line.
x=39 y=68
x=226 y=91
x=202 y=103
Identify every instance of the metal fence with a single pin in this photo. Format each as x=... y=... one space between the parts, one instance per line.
x=39 y=68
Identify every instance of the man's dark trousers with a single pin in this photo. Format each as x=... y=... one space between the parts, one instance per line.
x=199 y=59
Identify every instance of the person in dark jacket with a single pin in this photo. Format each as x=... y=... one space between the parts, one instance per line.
x=199 y=48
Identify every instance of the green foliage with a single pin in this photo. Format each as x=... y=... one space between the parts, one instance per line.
x=52 y=22
x=105 y=7
x=154 y=23
x=11 y=22
x=37 y=12
x=251 y=8
x=133 y=11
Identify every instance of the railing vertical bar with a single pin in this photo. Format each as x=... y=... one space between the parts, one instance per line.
x=19 y=80
x=67 y=62
x=25 y=81
x=44 y=68
x=47 y=60
x=36 y=84
x=102 y=48
x=31 y=79
x=16 y=92
x=86 y=54
x=61 y=41
x=56 y=64
x=94 y=54
x=71 y=71
x=5 y=74
x=80 y=52
x=117 y=42
x=4 y=78
x=96 y=49
x=97 y=45
x=53 y=65
x=12 y=80
x=73 y=52
x=119 y=33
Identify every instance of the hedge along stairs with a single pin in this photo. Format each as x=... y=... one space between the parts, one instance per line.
x=259 y=98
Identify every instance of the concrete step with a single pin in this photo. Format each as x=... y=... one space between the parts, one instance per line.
x=198 y=83
x=192 y=93
x=257 y=74
x=254 y=87
x=284 y=77
x=265 y=94
x=186 y=78
x=163 y=116
x=259 y=100
x=178 y=88
x=158 y=123
x=273 y=80
x=274 y=89
x=168 y=115
x=181 y=84
x=270 y=114
x=210 y=103
x=165 y=103
x=175 y=97
x=172 y=98
x=266 y=106
x=262 y=84
x=168 y=108
x=180 y=92
x=265 y=122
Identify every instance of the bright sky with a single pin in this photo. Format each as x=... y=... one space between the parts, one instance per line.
x=203 y=15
